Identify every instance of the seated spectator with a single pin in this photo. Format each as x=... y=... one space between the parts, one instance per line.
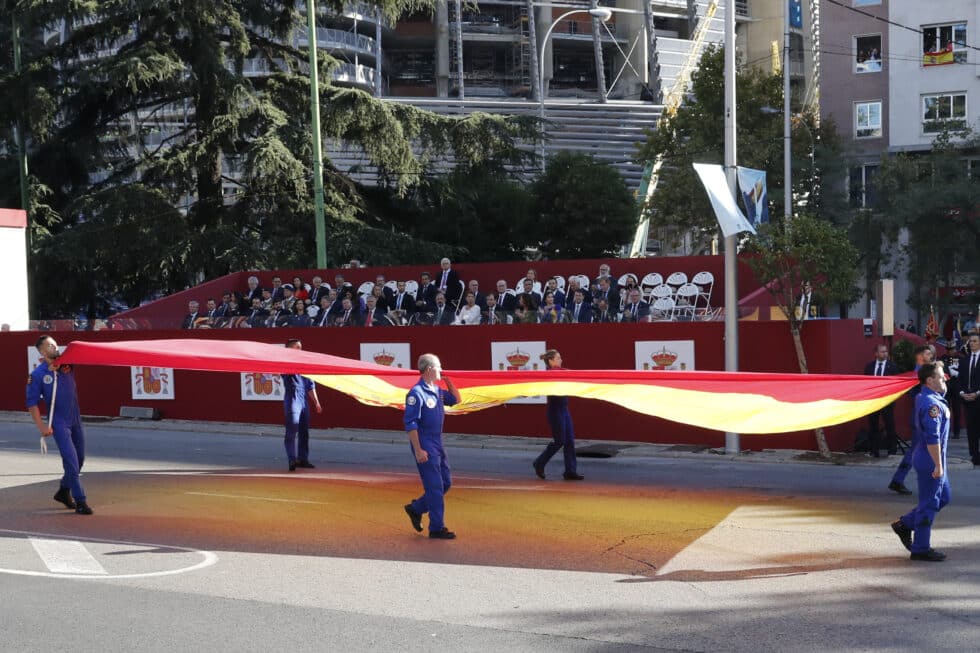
x=300 y=289
x=380 y=298
x=532 y=275
x=492 y=315
x=602 y=313
x=402 y=305
x=375 y=315
x=534 y=299
x=233 y=311
x=223 y=306
x=277 y=288
x=607 y=293
x=525 y=313
x=506 y=301
x=604 y=272
x=443 y=313
x=267 y=299
x=348 y=315
x=193 y=312
x=386 y=292
x=278 y=316
x=626 y=291
x=257 y=316
x=635 y=310
x=299 y=318
x=481 y=299
x=469 y=312
x=253 y=290
x=549 y=312
x=425 y=296
x=212 y=310
x=580 y=310
x=288 y=297
x=324 y=314
x=552 y=287
x=318 y=290
x=343 y=287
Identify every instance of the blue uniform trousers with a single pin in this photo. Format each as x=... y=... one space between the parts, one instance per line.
x=562 y=437
x=934 y=493
x=70 y=438
x=298 y=424
x=436 y=481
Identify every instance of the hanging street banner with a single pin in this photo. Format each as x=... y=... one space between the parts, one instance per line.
x=730 y=218
x=752 y=183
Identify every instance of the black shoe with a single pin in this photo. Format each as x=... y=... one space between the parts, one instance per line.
x=292 y=465
x=83 y=508
x=442 y=534
x=894 y=486
x=306 y=464
x=929 y=556
x=415 y=517
x=64 y=496
x=539 y=471
x=572 y=476
x=904 y=533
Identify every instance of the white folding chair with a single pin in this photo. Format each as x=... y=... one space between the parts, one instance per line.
x=662 y=309
x=686 y=300
x=583 y=280
x=662 y=291
x=676 y=280
x=365 y=288
x=411 y=286
x=560 y=280
x=624 y=278
x=392 y=286
x=649 y=282
x=705 y=281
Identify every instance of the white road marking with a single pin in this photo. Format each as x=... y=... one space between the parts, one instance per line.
x=509 y=488
x=67 y=557
x=251 y=498
x=208 y=558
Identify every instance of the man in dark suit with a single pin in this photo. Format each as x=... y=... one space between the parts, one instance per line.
x=447 y=282
x=325 y=314
x=277 y=293
x=253 y=290
x=635 y=310
x=278 y=316
x=606 y=292
x=348 y=314
x=317 y=291
x=533 y=298
x=580 y=310
x=193 y=312
x=481 y=298
x=425 y=296
x=881 y=366
x=506 y=302
x=373 y=314
x=970 y=394
x=444 y=313
x=493 y=315
x=257 y=315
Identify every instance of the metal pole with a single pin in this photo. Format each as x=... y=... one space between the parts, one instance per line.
x=532 y=36
x=732 y=444
x=600 y=73
x=787 y=124
x=459 y=47
x=377 y=52
x=321 y=228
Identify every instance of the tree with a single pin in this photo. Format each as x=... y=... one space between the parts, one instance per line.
x=695 y=134
x=805 y=249
x=584 y=208
x=935 y=197
x=167 y=146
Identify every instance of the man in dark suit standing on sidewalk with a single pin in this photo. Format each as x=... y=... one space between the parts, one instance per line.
x=882 y=366
x=970 y=394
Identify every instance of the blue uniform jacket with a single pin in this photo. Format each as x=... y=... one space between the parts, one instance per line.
x=424 y=410
x=932 y=427
x=295 y=388
x=40 y=387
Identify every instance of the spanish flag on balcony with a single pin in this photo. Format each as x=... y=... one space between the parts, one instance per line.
x=740 y=402
x=939 y=57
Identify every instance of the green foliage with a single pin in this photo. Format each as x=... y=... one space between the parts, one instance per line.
x=230 y=187
x=806 y=249
x=903 y=356
x=696 y=135
x=934 y=197
x=584 y=208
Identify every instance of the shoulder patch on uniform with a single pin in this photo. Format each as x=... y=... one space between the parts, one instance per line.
x=48 y=378
x=411 y=401
x=934 y=411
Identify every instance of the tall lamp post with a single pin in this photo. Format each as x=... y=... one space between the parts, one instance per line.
x=321 y=228
x=600 y=13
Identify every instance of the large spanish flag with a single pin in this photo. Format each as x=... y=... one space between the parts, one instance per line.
x=740 y=402
x=942 y=57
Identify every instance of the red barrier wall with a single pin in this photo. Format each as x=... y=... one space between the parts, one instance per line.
x=836 y=346
x=167 y=313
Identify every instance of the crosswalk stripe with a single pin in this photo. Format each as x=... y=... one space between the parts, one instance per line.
x=67 y=557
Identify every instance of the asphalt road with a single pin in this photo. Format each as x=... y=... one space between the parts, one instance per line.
x=204 y=541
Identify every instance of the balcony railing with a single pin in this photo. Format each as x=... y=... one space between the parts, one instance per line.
x=335 y=39
x=742 y=8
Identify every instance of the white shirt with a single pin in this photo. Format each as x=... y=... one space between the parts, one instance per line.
x=468 y=315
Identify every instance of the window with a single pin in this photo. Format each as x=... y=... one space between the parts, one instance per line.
x=861 y=187
x=867 y=54
x=944 y=44
x=943 y=110
x=867 y=119
x=973 y=168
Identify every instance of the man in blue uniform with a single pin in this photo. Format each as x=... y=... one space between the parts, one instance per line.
x=923 y=354
x=929 y=461
x=55 y=385
x=424 y=412
x=298 y=390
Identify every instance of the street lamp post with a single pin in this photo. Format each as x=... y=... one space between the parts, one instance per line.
x=321 y=229
x=599 y=13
